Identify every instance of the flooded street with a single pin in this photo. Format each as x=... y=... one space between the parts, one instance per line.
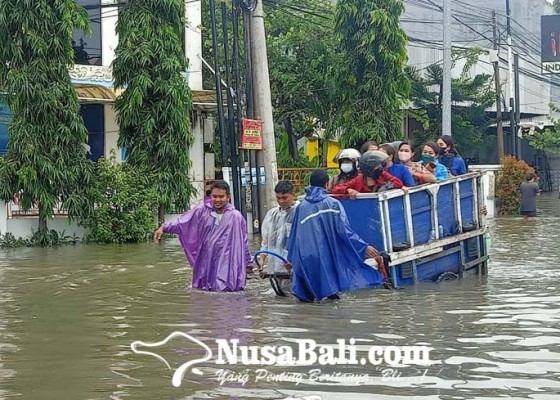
x=69 y=315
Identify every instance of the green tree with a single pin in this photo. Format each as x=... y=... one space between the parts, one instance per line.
x=153 y=112
x=548 y=140
x=46 y=157
x=302 y=63
x=125 y=199
x=556 y=6
x=471 y=97
x=372 y=81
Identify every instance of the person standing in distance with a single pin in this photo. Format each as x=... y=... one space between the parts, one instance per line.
x=529 y=193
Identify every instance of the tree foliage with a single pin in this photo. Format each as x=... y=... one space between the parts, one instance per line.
x=46 y=157
x=471 y=96
x=302 y=64
x=125 y=199
x=372 y=82
x=556 y=6
x=153 y=112
x=548 y=140
x=508 y=183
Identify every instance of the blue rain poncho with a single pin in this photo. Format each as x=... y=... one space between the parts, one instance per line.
x=326 y=254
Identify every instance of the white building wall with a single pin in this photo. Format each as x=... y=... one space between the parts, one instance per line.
x=109 y=37
x=111 y=132
x=3 y=218
x=193 y=40
x=196 y=155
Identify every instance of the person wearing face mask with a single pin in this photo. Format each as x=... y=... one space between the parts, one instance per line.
x=420 y=174
x=434 y=170
x=450 y=157
x=373 y=176
x=396 y=169
x=405 y=153
x=348 y=164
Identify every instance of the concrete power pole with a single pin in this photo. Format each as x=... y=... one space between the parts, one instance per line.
x=446 y=101
x=447 y=43
x=263 y=110
x=512 y=105
x=499 y=123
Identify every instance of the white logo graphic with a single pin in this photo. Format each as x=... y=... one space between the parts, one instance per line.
x=305 y=352
x=178 y=375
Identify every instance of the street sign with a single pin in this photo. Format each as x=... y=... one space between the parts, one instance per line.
x=251 y=137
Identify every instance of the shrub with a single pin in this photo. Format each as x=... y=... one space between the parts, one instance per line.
x=508 y=181
x=125 y=204
x=40 y=238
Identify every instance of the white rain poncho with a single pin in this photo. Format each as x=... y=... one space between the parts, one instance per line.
x=275 y=232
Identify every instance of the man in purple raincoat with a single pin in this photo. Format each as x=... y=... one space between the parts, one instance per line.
x=214 y=238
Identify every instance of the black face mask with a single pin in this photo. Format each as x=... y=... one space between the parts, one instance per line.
x=446 y=159
x=377 y=173
x=441 y=151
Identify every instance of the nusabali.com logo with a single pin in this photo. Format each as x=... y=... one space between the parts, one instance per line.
x=305 y=352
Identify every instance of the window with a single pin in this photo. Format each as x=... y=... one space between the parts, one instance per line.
x=5 y=118
x=92 y=114
x=87 y=49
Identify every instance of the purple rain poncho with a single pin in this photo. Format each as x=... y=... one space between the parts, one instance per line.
x=217 y=249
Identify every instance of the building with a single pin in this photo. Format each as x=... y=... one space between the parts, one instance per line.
x=92 y=78
x=472 y=26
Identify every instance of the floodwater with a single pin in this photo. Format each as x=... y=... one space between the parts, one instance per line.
x=68 y=317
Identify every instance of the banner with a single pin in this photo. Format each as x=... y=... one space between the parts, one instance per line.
x=251 y=137
x=550 y=44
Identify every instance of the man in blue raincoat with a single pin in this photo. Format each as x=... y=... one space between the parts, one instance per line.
x=326 y=254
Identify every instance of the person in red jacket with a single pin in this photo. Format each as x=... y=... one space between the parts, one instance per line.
x=373 y=176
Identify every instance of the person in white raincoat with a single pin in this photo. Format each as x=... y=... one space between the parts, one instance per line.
x=276 y=228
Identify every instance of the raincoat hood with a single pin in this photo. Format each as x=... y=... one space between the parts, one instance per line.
x=315 y=194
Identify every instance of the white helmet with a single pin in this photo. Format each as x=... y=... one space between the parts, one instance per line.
x=349 y=154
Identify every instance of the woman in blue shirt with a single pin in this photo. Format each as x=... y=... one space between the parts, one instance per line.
x=450 y=157
x=396 y=169
x=430 y=162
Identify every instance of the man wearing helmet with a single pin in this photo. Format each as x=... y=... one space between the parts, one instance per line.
x=348 y=164
x=373 y=176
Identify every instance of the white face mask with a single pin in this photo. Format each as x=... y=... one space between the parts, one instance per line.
x=346 y=168
x=405 y=156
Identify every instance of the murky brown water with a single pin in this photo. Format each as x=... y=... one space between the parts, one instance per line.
x=69 y=315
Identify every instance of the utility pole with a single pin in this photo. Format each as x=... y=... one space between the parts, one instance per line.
x=517 y=107
x=512 y=105
x=231 y=118
x=266 y=158
x=235 y=12
x=248 y=7
x=446 y=101
x=218 y=86
x=499 y=124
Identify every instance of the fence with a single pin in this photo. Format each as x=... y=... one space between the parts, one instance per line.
x=15 y=210
x=300 y=176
